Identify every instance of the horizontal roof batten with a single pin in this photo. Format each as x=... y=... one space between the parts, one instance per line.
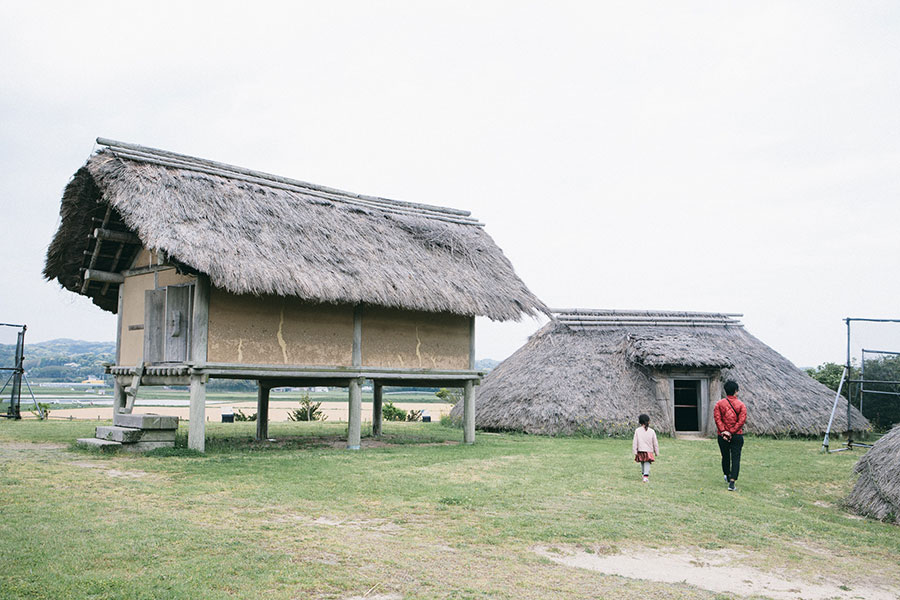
x=634 y=313
x=613 y=324
x=113 y=235
x=103 y=276
x=598 y=318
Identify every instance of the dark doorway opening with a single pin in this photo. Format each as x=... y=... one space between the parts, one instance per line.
x=687 y=405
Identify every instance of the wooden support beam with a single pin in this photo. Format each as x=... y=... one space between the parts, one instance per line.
x=119 y=325
x=200 y=323
x=354 y=427
x=377 y=412
x=262 y=412
x=469 y=414
x=119 y=397
x=113 y=265
x=293 y=372
x=96 y=253
x=102 y=276
x=356 y=359
x=126 y=237
x=472 y=343
x=197 y=415
x=131 y=391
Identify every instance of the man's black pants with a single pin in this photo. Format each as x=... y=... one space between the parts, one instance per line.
x=731 y=455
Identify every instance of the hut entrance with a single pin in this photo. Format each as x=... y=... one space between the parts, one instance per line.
x=687 y=403
x=167 y=323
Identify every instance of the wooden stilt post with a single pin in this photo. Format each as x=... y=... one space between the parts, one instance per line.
x=468 y=392
x=197 y=425
x=469 y=413
x=119 y=397
x=262 y=412
x=377 y=415
x=355 y=426
x=199 y=338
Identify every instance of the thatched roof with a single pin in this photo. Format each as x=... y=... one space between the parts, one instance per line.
x=591 y=370
x=263 y=234
x=877 y=491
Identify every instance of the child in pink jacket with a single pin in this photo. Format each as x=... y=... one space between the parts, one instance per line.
x=645 y=446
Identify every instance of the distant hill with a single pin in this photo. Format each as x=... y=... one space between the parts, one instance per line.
x=486 y=364
x=62 y=359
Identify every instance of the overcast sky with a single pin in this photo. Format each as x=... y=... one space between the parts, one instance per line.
x=690 y=156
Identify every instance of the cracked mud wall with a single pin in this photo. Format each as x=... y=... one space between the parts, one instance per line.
x=271 y=330
x=414 y=340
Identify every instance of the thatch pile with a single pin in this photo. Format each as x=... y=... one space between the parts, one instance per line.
x=877 y=491
x=262 y=234
x=591 y=370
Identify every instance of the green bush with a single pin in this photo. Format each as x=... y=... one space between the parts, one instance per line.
x=45 y=409
x=239 y=415
x=391 y=413
x=448 y=421
x=449 y=396
x=308 y=411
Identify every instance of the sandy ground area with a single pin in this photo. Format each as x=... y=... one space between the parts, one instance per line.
x=717 y=571
x=278 y=410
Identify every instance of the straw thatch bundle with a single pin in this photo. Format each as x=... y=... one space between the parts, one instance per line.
x=262 y=234
x=592 y=371
x=877 y=491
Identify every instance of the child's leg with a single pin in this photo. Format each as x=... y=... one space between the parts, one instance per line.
x=645 y=469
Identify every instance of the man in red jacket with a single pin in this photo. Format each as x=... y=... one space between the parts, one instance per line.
x=730 y=415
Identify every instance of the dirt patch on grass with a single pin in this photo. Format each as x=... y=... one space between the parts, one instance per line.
x=129 y=474
x=31 y=446
x=718 y=571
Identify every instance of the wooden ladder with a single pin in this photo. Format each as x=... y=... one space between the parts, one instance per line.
x=132 y=390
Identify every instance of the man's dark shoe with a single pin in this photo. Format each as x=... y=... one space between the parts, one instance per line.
x=731 y=486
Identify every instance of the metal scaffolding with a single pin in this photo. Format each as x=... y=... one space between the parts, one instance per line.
x=860 y=387
x=17 y=376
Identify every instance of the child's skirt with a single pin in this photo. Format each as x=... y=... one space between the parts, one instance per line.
x=644 y=457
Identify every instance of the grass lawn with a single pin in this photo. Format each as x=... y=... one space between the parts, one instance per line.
x=418 y=517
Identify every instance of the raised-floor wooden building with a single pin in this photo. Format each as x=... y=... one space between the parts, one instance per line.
x=220 y=271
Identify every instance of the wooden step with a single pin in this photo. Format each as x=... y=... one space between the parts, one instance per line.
x=130 y=435
x=96 y=443
x=142 y=421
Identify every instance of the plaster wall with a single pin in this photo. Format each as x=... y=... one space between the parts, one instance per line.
x=271 y=330
x=417 y=340
x=143 y=259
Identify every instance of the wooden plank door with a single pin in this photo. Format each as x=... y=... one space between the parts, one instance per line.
x=154 y=325
x=178 y=322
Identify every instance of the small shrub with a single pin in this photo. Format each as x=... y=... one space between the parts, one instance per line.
x=239 y=415
x=45 y=409
x=448 y=421
x=308 y=411
x=414 y=415
x=391 y=413
x=449 y=396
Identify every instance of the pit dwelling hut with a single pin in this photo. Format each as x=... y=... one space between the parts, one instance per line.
x=597 y=370
x=220 y=271
x=877 y=491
